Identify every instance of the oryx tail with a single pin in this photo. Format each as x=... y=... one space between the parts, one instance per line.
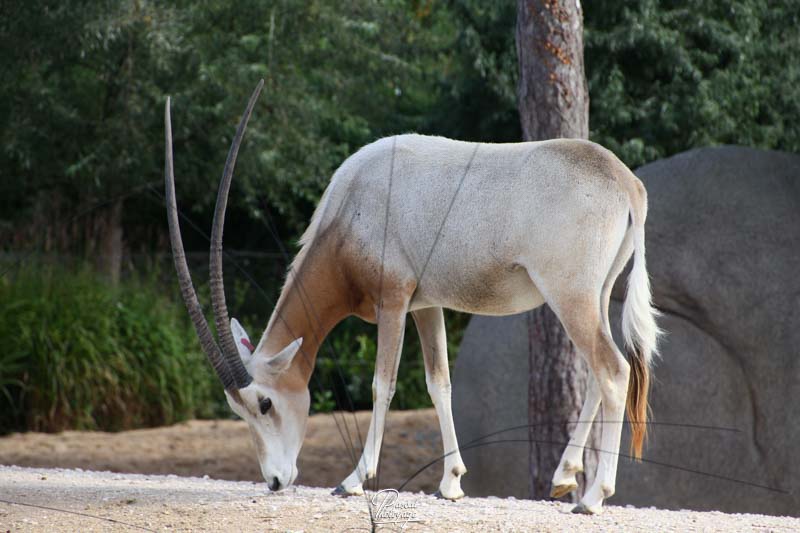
x=639 y=327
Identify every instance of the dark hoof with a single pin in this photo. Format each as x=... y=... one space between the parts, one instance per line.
x=581 y=509
x=339 y=491
x=441 y=496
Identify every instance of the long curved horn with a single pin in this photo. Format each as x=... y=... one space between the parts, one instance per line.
x=184 y=277
x=226 y=340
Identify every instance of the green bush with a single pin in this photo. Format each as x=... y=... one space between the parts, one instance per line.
x=80 y=353
x=346 y=382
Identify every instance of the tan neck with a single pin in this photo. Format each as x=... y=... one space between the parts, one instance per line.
x=311 y=303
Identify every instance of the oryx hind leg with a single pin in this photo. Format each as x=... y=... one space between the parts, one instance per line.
x=571 y=464
x=579 y=296
x=430 y=325
x=611 y=371
x=581 y=316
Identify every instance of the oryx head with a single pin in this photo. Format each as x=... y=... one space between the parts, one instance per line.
x=260 y=387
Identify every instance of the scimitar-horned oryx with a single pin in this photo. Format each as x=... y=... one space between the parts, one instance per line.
x=414 y=224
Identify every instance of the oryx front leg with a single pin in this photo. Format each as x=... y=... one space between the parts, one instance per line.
x=391 y=326
x=571 y=464
x=430 y=325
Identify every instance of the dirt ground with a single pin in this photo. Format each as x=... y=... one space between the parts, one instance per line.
x=222 y=449
x=97 y=501
x=199 y=456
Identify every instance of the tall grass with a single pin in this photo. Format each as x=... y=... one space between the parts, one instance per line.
x=77 y=352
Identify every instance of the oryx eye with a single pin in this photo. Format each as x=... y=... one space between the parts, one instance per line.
x=265 y=404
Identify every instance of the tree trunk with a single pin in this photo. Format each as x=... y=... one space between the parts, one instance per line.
x=553 y=102
x=109 y=252
x=552 y=94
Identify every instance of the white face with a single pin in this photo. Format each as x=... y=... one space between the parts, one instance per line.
x=275 y=412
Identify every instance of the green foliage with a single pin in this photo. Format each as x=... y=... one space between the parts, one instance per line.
x=322 y=401
x=338 y=76
x=664 y=76
x=668 y=76
x=84 y=84
x=478 y=78
x=79 y=103
x=344 y=370
x=79 y=353
x=82 y=88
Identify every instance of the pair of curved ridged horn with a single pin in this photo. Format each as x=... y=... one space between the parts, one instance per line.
x=225 y=356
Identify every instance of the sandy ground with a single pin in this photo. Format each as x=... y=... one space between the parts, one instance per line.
x=131 y=502
x=223 y=450
x=39 y=497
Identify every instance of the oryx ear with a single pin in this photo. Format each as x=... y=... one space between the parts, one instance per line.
x=243 y=343
x=283 y=359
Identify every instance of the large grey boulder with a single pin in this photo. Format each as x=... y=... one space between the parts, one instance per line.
x=723 y=246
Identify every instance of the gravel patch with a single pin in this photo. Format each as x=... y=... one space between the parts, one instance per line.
x=133 y=502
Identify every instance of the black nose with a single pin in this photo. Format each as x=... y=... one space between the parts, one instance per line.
x=275 y=484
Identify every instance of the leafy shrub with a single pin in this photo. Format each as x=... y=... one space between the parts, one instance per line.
x=81 y=353
x=344 y=369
